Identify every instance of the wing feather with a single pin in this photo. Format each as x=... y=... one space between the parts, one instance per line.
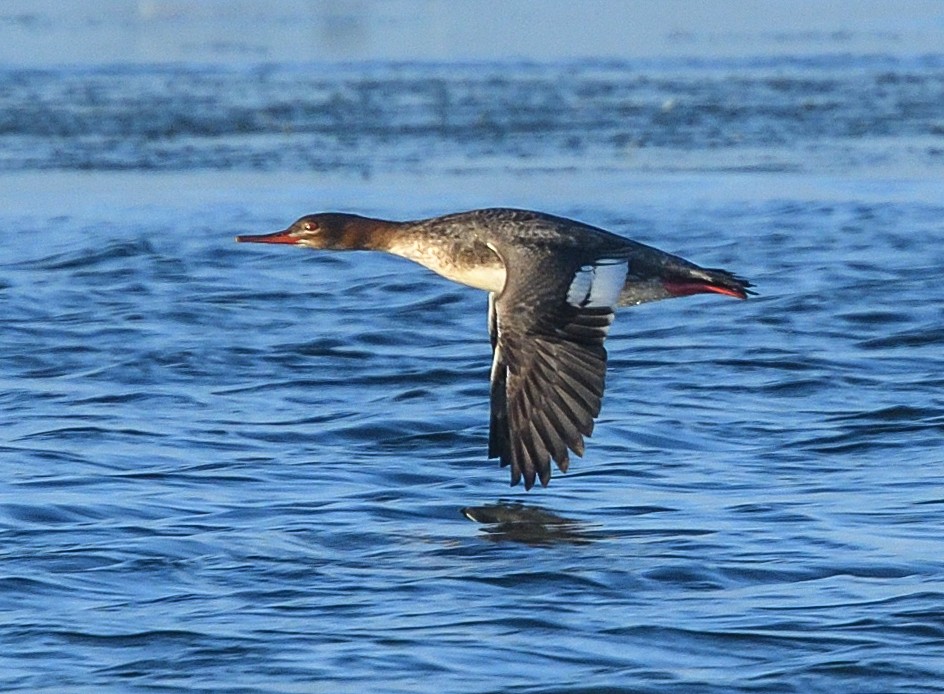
x=549 y=365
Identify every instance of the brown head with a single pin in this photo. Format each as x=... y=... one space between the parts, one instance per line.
x=333 y=231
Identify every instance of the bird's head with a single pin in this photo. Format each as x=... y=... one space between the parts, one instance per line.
x=326 y=230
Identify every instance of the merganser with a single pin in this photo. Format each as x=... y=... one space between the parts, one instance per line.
x=553 y=286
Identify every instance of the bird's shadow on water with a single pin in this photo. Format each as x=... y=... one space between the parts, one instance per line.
x=514 y=521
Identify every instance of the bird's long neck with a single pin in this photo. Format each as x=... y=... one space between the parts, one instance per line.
x=370 y=234
x=451 y=250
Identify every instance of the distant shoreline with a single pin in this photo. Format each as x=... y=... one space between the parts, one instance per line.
x=45 y=33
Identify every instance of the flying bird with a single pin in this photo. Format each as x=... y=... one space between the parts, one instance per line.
x=553 y=287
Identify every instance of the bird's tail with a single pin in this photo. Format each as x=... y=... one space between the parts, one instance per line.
x=684 y=281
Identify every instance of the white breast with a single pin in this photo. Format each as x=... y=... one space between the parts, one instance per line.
x=490 y=277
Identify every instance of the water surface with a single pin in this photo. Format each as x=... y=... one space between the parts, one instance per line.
x=252 y=469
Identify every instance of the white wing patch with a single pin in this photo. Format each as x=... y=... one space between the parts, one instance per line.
x=598 y=285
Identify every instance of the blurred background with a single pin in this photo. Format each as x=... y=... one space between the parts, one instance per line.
x=241 y=32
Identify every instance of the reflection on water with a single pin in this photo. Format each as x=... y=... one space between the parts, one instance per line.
x=528 y=524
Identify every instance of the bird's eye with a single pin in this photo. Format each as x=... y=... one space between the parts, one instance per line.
x=309 y=226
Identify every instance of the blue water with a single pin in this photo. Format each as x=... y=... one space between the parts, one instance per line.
x=242 y=468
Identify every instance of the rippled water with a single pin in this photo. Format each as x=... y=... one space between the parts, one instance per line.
x=260 y=469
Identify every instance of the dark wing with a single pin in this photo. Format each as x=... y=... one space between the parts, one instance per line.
x=549 y=365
